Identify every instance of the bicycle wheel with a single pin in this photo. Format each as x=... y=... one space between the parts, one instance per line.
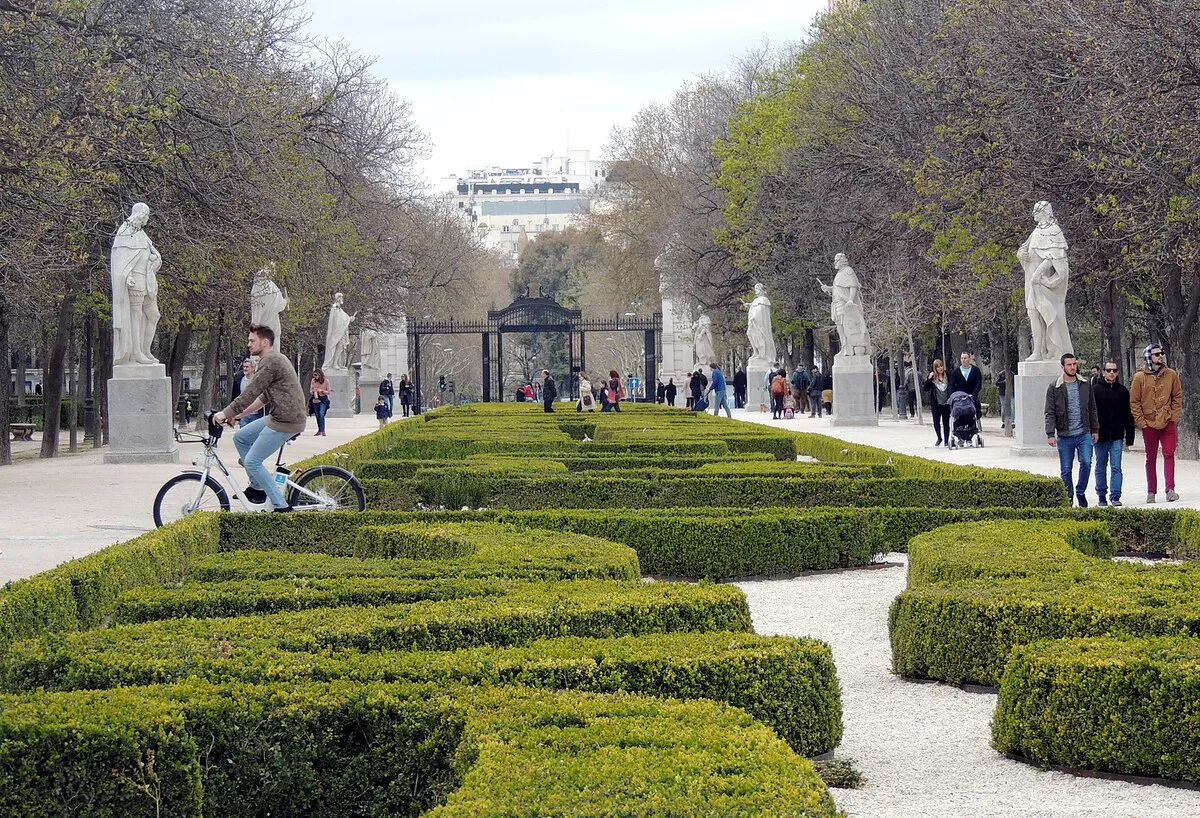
x=336 y=490
x=186 y=494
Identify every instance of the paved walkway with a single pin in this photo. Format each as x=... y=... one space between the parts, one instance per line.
x=62 y=508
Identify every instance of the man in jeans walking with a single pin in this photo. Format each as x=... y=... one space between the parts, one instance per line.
x=1072 y=424
x=1116 y=430
x=1156 y=400
x=717 y=390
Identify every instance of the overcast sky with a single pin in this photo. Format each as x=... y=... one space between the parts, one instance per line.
x=506 y=86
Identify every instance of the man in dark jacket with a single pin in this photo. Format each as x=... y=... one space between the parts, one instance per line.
x=739 y=389
x=1116 y=432
x=549 y=391
x=967 y=378
x=1072 y=424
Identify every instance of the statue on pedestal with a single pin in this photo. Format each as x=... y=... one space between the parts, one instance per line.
x=266 y=302
x=134 y=270
x=846 y=309
x=1043 y=256
x=758 y=329
x=702 y=340
x=368 y=349
x=337 y=336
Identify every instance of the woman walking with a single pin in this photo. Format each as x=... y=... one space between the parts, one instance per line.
x=406 y=393
x=614 y=391
x=938 y=387
x=319 y=389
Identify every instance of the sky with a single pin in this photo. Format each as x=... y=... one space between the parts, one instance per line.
x=497 y=85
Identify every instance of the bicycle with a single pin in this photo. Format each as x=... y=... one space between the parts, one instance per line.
x=321 y=488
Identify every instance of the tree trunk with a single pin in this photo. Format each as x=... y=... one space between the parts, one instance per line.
x=72 y=390
x=916 y=379
x=208 y=381
x=52 y=386
x=5 y=446
x=1112 y=321
x=104 y=364
x=809 y=356
x=175 y=362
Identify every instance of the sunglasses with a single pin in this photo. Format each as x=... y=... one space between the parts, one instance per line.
x=1110 y=370
x=1157 y=354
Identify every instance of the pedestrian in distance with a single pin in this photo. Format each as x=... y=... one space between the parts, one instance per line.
x=739 y=389
x=387 y=391
x=1072 y=425
x=669 y=391
x=779 y=388
x=382 y=411
x=240 y=383
x=1156 y=401
x=549 y=391
x=814 y=393
x=406 y=394
x=966 y=377
x=938 y=387
x=587 y=401
x=615 y=391
x=319 y=391
x=1116 y=432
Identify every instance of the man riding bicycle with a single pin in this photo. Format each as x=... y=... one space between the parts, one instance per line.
x=275 y=383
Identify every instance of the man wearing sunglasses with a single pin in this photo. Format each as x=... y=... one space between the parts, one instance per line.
x=1156 y=400
x=1116 y=430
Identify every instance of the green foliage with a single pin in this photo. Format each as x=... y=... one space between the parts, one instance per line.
x=1121 y=705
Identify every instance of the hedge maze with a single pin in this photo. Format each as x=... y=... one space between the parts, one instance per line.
x=528 y=621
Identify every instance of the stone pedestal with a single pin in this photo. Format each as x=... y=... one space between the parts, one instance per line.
x=853 y=392
x=1029 y=410
x=341 y=396
x=757 y=392
x=140 y=417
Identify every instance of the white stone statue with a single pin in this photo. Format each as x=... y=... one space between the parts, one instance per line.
x=337 y=337
x=702 y=340
x=1044 y=259
x=758 y=329
x=369 y=354
x=266 y=302
x=134 y=269
x=847 y=309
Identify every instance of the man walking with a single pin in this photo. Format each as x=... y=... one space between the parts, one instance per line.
x=388 y=391
x=966 y=377
x=739 y=388
x=814 y=393
x=549 y=391
x=1156 y=400
x=717 y=390
x=1116 y=430
x=1072 y=424
x=799 y=381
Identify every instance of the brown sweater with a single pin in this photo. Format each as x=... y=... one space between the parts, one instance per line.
x=277 y=383
x=1155 y=398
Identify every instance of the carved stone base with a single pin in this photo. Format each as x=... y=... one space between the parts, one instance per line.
x=140 y=420
x=1029 y=407
x=341 y=399
x=854 y=393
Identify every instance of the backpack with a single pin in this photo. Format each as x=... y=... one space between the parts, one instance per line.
x=778 y=387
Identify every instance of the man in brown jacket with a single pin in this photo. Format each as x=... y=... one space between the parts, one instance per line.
x=275 y=383
x=1156 y=400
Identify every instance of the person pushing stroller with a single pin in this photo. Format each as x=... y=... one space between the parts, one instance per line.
x=965 y=433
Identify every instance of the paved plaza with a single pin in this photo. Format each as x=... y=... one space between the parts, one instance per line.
x=58 y=509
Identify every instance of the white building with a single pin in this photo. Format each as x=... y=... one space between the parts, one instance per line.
x=512 y=206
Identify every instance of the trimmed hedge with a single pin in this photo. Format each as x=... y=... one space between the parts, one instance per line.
x=340 y=749
x=547 y=753
x=1119 y=705
x=978 y=590
x=790 y=684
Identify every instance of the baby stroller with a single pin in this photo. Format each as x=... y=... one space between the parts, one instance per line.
x=965 y=433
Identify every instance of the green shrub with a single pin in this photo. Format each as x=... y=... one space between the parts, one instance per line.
x=1125 y=705
x=190 y=750
x=412 y=541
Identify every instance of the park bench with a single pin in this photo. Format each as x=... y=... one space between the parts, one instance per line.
x=21 y=431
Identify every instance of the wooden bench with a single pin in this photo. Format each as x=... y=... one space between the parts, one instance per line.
x=21 y=431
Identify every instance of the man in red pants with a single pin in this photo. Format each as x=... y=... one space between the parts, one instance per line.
x=1156 y=400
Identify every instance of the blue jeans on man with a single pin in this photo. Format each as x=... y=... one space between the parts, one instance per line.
x=721 y=399
x=255 y=443
x=1109 y=451
x=1068 y=447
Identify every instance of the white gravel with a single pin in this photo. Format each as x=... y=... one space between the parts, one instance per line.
x=924 y=748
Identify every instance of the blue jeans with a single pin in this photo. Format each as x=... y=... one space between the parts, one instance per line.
x=319 y=410
x=1109 y=451
x=721 y=399
x=255 y=443
x=1068 y=447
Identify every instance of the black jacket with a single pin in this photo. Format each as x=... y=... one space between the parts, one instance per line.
x=970 y=384
x=1056 y=408
x=1112 y=404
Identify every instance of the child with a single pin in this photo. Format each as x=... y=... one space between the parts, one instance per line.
x=382 y=412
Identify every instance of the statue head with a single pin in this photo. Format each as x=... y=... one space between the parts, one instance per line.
x=337 y=298
x=139 y=214
x=760 y=289
x=840 y=261
x=1043 y=212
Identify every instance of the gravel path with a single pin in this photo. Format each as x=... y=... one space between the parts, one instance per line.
x=924 y=748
